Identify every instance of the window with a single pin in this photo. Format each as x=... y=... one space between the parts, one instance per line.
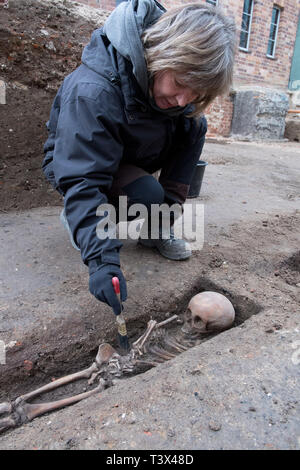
x=213 y=2
x=246 y=25
x=273 y=32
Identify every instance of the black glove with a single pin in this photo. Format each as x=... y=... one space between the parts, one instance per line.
x=101 y=286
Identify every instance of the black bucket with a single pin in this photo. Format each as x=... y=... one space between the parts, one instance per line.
x=196 y=182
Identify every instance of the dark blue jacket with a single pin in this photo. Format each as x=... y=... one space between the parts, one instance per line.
x=99 y=118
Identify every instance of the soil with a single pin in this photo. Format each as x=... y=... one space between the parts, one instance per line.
x=40 y=43
x=237 y=389
x=243 y=380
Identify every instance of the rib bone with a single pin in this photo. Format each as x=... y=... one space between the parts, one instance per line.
x=175 y=345
x=161 y=353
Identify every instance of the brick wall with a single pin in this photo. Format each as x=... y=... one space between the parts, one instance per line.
x=219 y=116
x=252 y=68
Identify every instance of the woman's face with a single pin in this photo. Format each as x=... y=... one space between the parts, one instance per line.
x=168 y=92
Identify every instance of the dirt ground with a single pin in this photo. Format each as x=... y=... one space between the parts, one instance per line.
x=245 y=380
x=235 y=390
x=40 y=43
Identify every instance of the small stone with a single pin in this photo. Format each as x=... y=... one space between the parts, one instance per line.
x=70 y=443
x=131 y=418
x=50 y=46
x=214 y=425
x=196 y=372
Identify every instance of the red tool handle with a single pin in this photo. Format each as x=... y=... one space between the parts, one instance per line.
x=122 y=332
x=116 y=284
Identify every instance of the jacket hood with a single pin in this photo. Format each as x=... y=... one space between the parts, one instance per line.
x=124 y=28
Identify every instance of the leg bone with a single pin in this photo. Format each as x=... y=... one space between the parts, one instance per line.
x=83 y=374
x=28 y=411
x=7 y=423
x=21 y=412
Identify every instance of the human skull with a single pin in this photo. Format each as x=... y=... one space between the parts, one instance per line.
x=210 y=311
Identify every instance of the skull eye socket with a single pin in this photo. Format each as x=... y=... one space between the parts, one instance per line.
x=197 y=319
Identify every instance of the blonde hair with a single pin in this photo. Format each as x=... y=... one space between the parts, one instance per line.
x=198 y=43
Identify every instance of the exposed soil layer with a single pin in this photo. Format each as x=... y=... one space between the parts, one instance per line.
x=40 y=43
x=237 y=389
x=265 y=304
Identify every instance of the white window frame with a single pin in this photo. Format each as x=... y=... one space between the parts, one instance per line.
x=213 y=2
x=250 y=24
x=271 y=56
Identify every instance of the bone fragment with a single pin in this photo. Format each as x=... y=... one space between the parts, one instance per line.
x=161 y=353
x=7 y=423
x=152 y=325
x=105 y=352
x=147 y=363
x=5 y=407
x=173 y=344
x=138 y=344
x=168 y=320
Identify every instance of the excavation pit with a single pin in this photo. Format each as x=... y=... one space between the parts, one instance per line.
x=168 y=340
x=244 y=309
x=289 y=269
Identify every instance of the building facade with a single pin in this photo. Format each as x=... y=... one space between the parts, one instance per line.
x=294 y=83
x=267 y=32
